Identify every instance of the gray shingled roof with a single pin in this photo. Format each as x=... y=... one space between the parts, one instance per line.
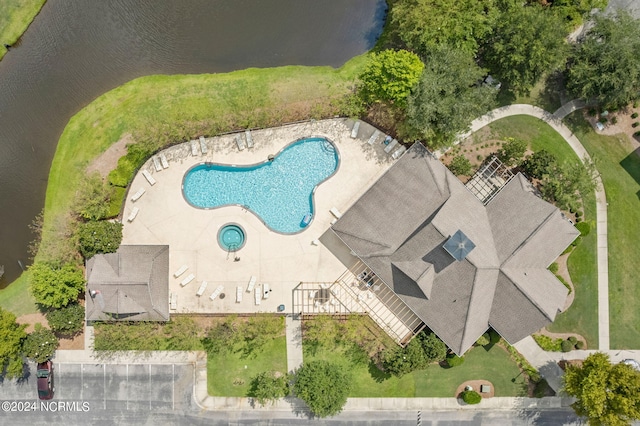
x=399 y=226
x=133 y=284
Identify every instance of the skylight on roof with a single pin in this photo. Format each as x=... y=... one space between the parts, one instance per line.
x=459 y=245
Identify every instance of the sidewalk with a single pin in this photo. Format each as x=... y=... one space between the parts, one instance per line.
x=293 y=331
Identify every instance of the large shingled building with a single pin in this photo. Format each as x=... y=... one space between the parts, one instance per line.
x=459 y=265
x=131 y=284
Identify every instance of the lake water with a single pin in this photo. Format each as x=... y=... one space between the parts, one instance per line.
x=76 y=50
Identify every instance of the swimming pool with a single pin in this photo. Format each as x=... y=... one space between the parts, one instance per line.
x=279 y=192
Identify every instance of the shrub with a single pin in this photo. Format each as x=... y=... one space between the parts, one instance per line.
x=494 y=337
x=573 y=340
x=69 y=319
x=483 y=340
x=553 y=268
x=584 y=228
x=635 y=124
x=580 y=344
x=564 y=282
x=99 y=237
x=323 y=386
x=547 y=343
x=92 y=198
x=540 y=163
x=578 y=214
x=614 y=120
x=41 y=344
x=566 y=346
x=634 y=115
x=269 y=387
x=471 y=397
x=512 y=152
x=603 y=120
x=454 y=360
x=479 y=157
x=592 y=112
x=460 y=165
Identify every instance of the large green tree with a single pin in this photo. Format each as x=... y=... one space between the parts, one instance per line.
x=55 y=286
x=571 y=11
x=389 y=76
x=526 y=43
x=607 y=394
x=447 y=98
x=12 y=335
x=426 y=24
x=606 y=64
x=323 y=386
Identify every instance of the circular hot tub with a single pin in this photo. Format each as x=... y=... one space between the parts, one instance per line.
x=231 y=237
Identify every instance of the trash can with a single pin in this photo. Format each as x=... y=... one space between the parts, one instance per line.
x=281 y=308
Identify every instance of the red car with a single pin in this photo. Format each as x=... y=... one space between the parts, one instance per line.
x=45 y=379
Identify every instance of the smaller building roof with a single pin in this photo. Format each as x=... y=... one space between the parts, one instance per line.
x=459 y=245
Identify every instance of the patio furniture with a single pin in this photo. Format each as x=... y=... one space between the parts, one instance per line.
x=266 y=290
x=258 y=295
x=374 y=137
x=180 y=271
x=187 y=280
x=163 y=160
x=247 y=133
x=335 y=212
x=252 y=284
x=398 y=152
x=239 y=294
x=240 y=143
x=217 y=292
x=173 y=301
x=156 y=164
x=203 y=145
x=391 y=145
x=194 y=148
x=133 y=214
x=315 y=242
x=137 y=195
x=201 y=289
x=148 y=177
x=354 y=130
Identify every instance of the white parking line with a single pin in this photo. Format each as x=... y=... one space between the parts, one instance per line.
x=128 y=390
x=104 y=386
x=149 y=386
x=173 y=387
x=81 y=381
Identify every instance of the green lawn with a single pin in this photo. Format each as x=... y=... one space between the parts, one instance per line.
x=619 y=167
x=494 y=365
x=17 y=298
x=582 y=316
x=544 y=95
x=230 y=374
x=15 y=17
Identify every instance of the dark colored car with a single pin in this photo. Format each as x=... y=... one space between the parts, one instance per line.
x=45 y=380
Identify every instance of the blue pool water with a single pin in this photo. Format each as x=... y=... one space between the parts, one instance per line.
x=280 y=192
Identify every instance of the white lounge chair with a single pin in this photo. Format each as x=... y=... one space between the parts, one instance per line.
x=156 y=164
x=137 y=195
x=174 y=301
x=335 y=212
x=239 y=294
x=194 y=148
x=216 y=293
x=240 y=142
x=203 y=145
x=391 y=145
x=354 y=130
x=265 y=290
x=180 y=271
x=148 y=177
x=187 y=280
x=374 y=137
x=247 y=133
x=163 y=160
x=398 y=152
x=133 y=214
x=252 y=284
x=258 y=295
x=202 y=288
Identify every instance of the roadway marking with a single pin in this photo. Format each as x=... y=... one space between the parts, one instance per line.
x=104 y=386
x=173 y=387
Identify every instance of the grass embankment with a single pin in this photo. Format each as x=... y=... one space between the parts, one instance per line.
x=17 y=298
x=494 y=365
x=15 y=17
x=619 y=167
x=582 y=315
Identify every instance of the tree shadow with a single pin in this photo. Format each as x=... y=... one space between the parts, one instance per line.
x=631 y=164
x=377 y=374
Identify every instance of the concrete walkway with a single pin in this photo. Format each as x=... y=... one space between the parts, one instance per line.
x=555 y=121
x=293 y=330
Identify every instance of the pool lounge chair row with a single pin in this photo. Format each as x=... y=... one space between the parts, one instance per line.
x=246 y=142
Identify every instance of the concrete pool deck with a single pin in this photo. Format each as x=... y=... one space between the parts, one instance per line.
x=282 y=261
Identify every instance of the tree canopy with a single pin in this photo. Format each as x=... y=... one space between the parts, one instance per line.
x=606 y=64
x=448 y=97
x=99 y=237
x=69 y=319
x=268 y=387
x=389 y=76
x=12 y=335
x=426 y=24
x=323 y=386
x=607 y=394
x=40 y=344
x=526 y=43
x=417 y=355
x=55 y=286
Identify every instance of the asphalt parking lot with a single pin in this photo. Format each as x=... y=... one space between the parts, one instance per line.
x=112 y=386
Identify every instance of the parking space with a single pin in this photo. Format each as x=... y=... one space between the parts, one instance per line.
x=113 y=386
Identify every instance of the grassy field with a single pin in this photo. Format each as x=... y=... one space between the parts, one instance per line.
x=17 y=298
x=619 y=168
x=494 y=365
x=15 y=17
x=230 y=374
x=582 y=316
